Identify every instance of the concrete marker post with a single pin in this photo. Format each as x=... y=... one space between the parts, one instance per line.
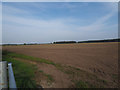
x=3 y=74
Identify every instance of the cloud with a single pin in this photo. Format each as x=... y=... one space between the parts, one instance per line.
x=97 y=25
x=27 y=29
x=101 y=22
x=34 y=23
x=57 y=24
x=13 y=10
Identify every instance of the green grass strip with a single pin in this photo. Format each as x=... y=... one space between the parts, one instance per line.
x=15 y=55
x=23 y=72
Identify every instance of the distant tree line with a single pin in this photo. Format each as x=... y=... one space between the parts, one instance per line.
x=11 y=44
x=68 y=42
x=95 y=41
x=89 y=41
x=63 y=42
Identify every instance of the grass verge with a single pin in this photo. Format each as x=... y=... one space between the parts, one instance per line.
x=22 y=56
x=23 y=72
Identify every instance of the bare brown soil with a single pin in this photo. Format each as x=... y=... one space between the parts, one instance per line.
x=60 y=79
x=100 y=59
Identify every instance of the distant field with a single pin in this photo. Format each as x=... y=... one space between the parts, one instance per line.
x=71 y=65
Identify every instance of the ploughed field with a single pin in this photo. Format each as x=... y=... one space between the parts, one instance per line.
x=76 y=65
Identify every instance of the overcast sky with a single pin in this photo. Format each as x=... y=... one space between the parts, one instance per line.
x=55 y=21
